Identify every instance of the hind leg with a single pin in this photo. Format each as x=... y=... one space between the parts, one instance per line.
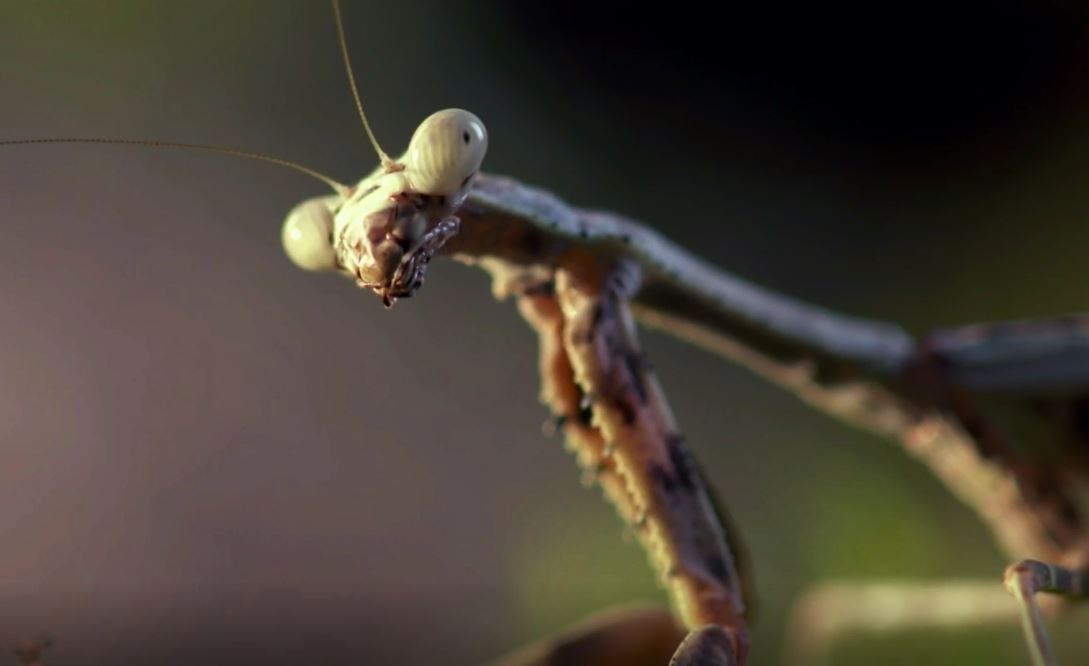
x=1024 y=580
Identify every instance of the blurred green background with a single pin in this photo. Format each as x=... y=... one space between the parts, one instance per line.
x=210 y=457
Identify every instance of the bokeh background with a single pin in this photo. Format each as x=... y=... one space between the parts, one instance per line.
x=207 y=456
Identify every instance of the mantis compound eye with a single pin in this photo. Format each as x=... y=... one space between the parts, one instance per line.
x=445 y=152
x=308 y=234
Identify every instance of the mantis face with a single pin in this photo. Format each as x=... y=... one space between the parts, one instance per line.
x=377 y=228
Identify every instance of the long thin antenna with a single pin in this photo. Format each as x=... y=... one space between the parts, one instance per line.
x=339 y=188
x=387 y=163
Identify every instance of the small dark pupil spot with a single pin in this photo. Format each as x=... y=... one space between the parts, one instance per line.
x=465 y=137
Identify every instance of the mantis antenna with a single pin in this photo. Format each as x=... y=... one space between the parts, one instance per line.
x=387 y=163
x=339 y=188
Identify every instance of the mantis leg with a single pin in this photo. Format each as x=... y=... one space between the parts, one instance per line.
x=1024 y=580
x=603 y=461
x=659 y=487
x=619 y=637
x=565 y=400
x=830 y=612
x=409 y=276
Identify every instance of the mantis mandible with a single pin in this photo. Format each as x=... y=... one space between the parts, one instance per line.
x=580 y=278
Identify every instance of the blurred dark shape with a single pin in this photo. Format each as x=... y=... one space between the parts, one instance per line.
x=29 y=652
x=907 y=78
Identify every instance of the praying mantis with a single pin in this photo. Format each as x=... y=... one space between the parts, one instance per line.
x=580 y=278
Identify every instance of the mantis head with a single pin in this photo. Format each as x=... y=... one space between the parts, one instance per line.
x=386 y=229
x=367 y=233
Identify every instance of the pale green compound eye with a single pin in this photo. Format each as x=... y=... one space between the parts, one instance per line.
x=308 y=234
x=445 y=152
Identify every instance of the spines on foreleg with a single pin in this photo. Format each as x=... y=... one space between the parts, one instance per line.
x=675 y=519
